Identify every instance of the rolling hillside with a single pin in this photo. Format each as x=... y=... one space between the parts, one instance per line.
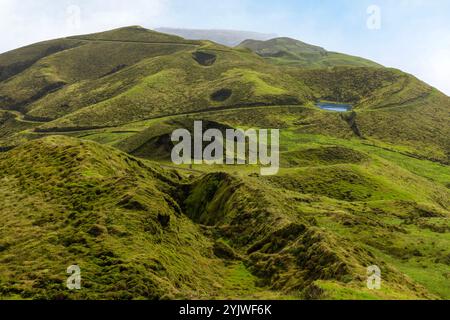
x=85 y=125
x=140 y=231
x=127 y=75
x=287 y=51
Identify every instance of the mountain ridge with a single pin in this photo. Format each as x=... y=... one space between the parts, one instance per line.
x=289 y=51
x=123 y=220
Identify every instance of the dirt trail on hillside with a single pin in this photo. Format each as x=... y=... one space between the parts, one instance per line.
x=137 y=42
x=22 y=117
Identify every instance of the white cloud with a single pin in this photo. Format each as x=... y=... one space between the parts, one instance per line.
x=431 y=60
x=27 y=21
x=436 y=70
x=116 y=13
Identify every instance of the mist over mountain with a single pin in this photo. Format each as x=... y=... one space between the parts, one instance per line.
x=229 y=38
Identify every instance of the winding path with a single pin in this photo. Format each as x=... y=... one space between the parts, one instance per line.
x=21 y=117
x=202 y=111
x=136 y=42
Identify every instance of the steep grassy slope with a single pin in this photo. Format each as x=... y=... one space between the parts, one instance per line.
x=363 y=87
x=132 y=74
x=138 y=231
x=16 y=61
x=390 y=106
x=68 y=202
x=287 y=51
x=394 y=206
x=50 y=66
x=178 y=84
x=134 y=80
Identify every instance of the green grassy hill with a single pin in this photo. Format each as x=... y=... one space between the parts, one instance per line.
x=85 y=126
x=390 y=107
x=113 y=78
x=140 y=231
x=287 y=51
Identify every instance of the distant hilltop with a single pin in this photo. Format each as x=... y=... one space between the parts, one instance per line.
x=229 y=38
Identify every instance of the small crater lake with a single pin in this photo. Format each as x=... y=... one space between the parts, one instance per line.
x=334 y=107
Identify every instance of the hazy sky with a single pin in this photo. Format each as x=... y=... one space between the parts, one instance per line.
x=412 y=35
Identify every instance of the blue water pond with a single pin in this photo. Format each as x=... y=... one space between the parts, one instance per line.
x=334 y=107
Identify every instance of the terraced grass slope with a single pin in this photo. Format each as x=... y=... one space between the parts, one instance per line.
x=44 y=67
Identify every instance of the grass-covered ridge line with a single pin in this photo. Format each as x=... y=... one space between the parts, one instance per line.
x=131 y=227
x=132 y=74
x=291 y=52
